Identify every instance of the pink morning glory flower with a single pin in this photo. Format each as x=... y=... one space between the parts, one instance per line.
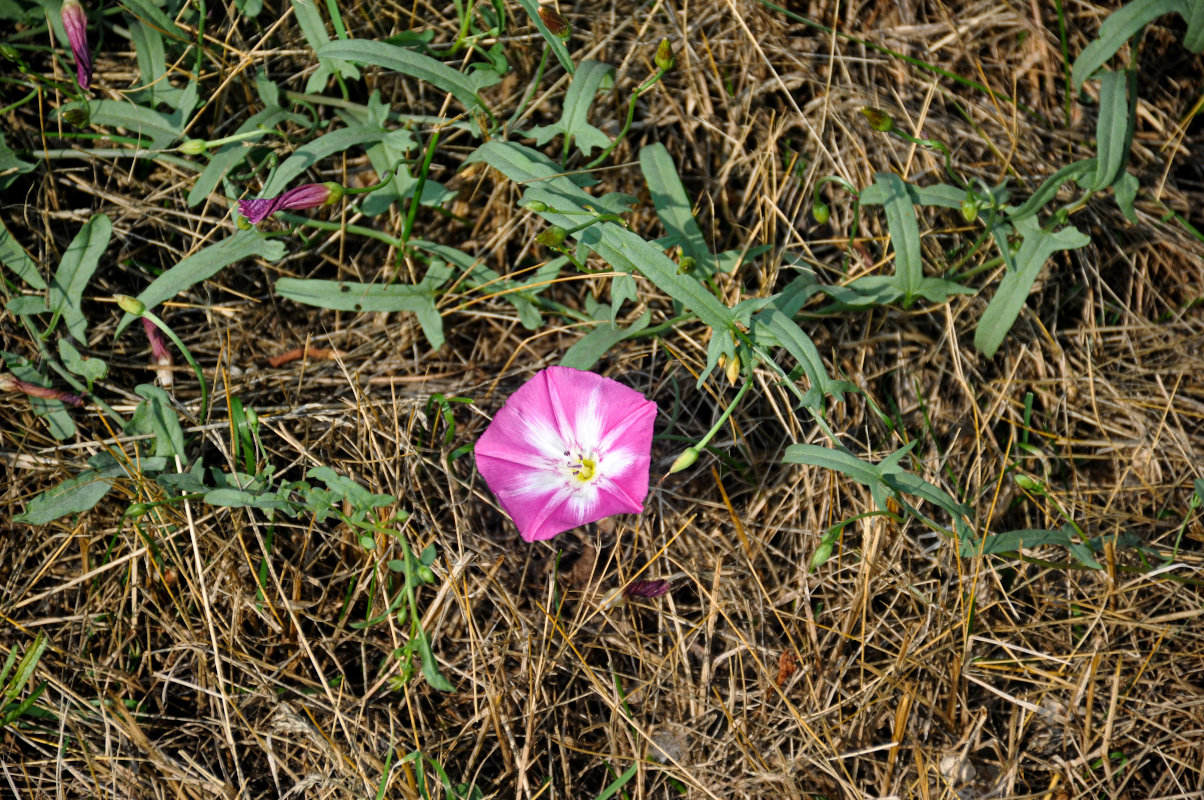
x=75 y=23
x=310 y=195
x=569 y=447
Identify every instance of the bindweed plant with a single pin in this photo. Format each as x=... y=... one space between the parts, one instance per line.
x=262 y=169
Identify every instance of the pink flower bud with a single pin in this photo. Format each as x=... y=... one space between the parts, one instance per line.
x=310 y=195
x=75 y=23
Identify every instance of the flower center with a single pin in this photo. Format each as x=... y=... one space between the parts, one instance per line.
x=581 y=465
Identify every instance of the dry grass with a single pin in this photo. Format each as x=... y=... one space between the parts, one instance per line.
x=896 y=669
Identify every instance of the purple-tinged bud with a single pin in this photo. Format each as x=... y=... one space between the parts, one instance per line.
x=647 y=589
x=879 y=120
x=555 y=22
x=75 y=23
x=9 y=383
x=161 y=358
x=552 y=237
x=309 y=195
x=664 y=56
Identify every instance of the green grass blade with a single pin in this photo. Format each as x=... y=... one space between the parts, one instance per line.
x=618 y=783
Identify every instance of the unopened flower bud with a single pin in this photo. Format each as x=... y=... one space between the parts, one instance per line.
x=552 y=237
x=821 y=555
x=75 y=24
x=685 y=460
x=685 y=265
x=9 y=52
x=160 y=356
x=879 y=120
x=1029 y=483
x=425 y=574
x=137 y=510
x=820 y=211
x=969 y=208
x=664 y=56
x=193 y=147
x=555 y=22
x=648 y=589
x=76 y=117
x=130 y=305
x=536 y=206
x=10 y=383
x=732 y=371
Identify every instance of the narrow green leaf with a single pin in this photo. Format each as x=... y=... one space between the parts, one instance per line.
x=574 y=118
x=1117 y=29
x=138 y=120
x=232 y=153
x=1114 y=128
x=1125 y=190
x=1049 y=189
x=72 y=496
x=841 y=461
x=153 y=16
x=673 y=205
x=313 y=27
x=346 y=296
x=553 y=41
x=586 y=351
x=1193 y=40
x=1035 y=250
x=904 y=234
x=17 y=261
x=786 y=333
x=75 y=272
x=204 y=264
x=940 y=194
x=463 y=87
x=326 y=145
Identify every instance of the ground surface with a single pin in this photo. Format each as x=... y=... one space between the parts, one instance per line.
x=200 y=651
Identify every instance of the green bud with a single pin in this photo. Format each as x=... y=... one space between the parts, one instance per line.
x=193 y=147
x=685 y=460
x=879 y=120
x=536 y=206
x=242 y=223
x=819 y=210
x=130 y=305
x=1029 y=484
x=969 y=208
x=425 y=574
x=9 y=52
x=664 y=56
x=137 y=510
x=686 y=264
x=552 y=237
x=821 y=555
x=336 y=192
x=77 y=117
